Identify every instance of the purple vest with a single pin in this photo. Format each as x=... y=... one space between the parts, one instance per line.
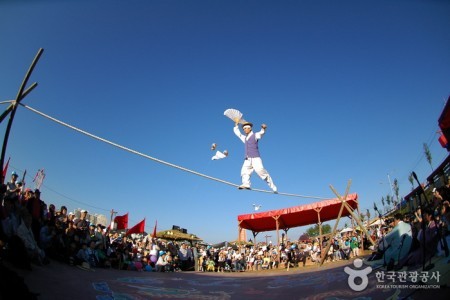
x=251 y=147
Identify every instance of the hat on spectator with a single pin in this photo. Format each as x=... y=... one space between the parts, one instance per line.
x=13 y=173
x=83 y=211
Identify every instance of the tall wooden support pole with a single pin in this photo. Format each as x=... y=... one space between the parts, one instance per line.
x=111 y=219
x=19 y=97
x=278 y=236
x=324 y=252
x=319 y=223
x=355 y=217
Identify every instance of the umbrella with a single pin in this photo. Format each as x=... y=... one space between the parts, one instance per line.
x=377 y=222
x=346 y=230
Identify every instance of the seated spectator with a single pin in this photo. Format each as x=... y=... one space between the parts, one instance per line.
x=258 y=262
x=210 y=264
x=176 y=264
x=169 y=260
x=396 y=245
x=125 y=259
x=250 y=262
x=265 y=263
x=81 y=255
x=92 y=255
x=161 y=263
x=205 y=264
x=427 y=243
x=71 y=253
x=337 y=252
x=221 y=261
x=274 y=260
x=104 y=259
x=301 y=257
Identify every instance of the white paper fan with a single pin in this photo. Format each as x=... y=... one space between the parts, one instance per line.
x=234 y=115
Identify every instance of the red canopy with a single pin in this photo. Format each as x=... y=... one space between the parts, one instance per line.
x=444 y=124
x=297 y=216
x=444 y=119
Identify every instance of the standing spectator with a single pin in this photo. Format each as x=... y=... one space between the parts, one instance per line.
x=34 y=207
x=61 y=219
x=185 y=256
x=82 y=225
x=354 y=245
x=11 y=185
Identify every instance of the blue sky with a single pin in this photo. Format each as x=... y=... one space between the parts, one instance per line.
x=348 y=89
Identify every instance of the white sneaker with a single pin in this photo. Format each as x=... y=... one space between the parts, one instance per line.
x=274 y=189
x=244 y=186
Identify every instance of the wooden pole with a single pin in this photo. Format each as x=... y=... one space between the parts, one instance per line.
x=277 y=225
x=350 y=210
x=19 y=97
x=112 y=219
x=239 y=235
x=327 y=248
x=319 y=223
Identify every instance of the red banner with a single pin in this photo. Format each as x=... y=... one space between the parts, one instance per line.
x=5 y=168
x=138 y=228
x=121 y=221
x=154 y=229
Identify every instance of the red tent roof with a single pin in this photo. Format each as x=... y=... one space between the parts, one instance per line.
x=444 y=119
x=296 y=216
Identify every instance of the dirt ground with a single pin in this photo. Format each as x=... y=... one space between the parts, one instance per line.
x=329 y=281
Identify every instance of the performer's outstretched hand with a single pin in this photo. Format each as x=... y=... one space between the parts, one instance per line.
x=264 y=126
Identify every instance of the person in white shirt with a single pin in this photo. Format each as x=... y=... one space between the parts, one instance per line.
x=161 y=262
x=252 y=161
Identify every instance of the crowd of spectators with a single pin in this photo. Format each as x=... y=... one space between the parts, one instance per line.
x=33 y=232
x=267 y=256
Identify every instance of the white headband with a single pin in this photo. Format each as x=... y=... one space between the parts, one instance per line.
x=246 y=126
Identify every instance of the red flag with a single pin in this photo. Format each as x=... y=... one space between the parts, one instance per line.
x=121 y=221
x=138 y=228
x=154 y=229
x=5 y=168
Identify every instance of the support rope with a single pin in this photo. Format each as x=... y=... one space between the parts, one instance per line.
x=156 y=159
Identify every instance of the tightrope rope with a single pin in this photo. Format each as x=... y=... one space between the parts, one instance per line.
x=156 y=159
